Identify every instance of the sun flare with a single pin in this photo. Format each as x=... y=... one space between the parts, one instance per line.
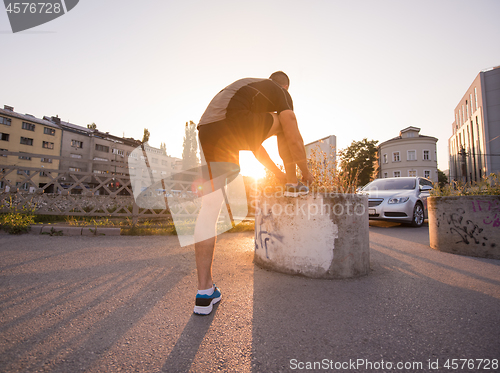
x=251 y=166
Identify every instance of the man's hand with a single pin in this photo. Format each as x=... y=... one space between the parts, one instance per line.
x=308 y=178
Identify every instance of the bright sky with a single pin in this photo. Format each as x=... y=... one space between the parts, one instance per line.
x=357 y=68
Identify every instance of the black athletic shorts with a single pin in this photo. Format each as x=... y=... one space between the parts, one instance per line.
x=241 y=130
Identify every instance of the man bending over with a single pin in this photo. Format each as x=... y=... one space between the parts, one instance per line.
x=241 y=117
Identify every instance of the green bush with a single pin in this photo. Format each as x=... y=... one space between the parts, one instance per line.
x=16 y=223
x=489 y=185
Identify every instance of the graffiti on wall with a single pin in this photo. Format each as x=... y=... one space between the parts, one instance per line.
x=492 y=208
x=469 y=229
x=263 y=234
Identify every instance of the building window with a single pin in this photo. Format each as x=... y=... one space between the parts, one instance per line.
x=2 y=185
x=412 y=173
x=23 y=186
x=102 y=148
x=6 y=121
x=3 y=150
x=44 y=174
x=475 y=95
x=46 y=160
x=26 y=141
x=427 y=155
x=155 y=160
x=28 y=126
x=384 y=158
x=49 y=131
x=427 y=174
x=397 y=173
x=395 y=157
x=48 y=145
x=25 y=157
x=118 y=151
x=75 y=155
x=76 y=144
x=410 y=134
x=75 y=169
x=164 y=163
x=4 y=136
x=385 y=175
x=101 y=159
x=22 y=172
x=411 y=155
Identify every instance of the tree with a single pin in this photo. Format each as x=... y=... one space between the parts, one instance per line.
x=145 y=137
x=442 y=178
x=357 y=161
x=190 y=147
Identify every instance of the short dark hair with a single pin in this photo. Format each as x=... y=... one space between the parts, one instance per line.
x=280 y=77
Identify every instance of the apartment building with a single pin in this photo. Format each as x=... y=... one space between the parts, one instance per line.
x=86 y=149
x=36 y=144
x=62 y=148
x=409 y=154
x=474 y=147
x=89 y=150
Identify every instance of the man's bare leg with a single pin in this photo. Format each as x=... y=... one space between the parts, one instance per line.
x=204 y=252
x=290 y=166
x=284 y=151
x=205 y=236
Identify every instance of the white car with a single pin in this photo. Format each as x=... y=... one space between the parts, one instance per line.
x=399 y=199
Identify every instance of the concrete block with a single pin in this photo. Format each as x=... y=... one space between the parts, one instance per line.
x=319 y=236
x=100 y=231
x=55 y=230
x=89 y=231
x=36 y=228
x=108 y=231
x=465 y=225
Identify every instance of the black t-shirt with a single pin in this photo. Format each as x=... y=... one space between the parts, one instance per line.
x=249 y=94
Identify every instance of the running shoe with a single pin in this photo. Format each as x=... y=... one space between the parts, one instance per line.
x=296 y=190
x=205 y=303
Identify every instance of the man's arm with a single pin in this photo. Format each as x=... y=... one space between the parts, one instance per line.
x=295 y=142
x=268 y=163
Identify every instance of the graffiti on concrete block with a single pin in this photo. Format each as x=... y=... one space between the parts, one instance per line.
x=490 y=207
x=262 y=235
x=467 y=230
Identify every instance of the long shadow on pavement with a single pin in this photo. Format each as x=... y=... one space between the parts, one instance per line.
x=184 y=352
x=396 y=313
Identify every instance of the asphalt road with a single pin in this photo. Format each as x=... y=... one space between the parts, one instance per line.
x=109 y=304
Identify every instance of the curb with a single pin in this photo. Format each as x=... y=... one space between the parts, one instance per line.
x=55 y=230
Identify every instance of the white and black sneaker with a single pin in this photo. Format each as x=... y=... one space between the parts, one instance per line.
x=205 y=303
x=296 y=190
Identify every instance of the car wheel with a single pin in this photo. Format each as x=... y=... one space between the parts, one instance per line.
x=418 y=215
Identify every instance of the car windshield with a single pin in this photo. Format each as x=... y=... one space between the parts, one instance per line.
x=391 y=184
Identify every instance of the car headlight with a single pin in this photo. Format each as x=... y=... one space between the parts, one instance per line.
x=398 y=200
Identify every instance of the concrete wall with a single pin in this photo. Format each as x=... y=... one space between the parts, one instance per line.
x=321 y=236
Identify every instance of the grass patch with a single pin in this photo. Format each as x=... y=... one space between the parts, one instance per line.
x=487 y=186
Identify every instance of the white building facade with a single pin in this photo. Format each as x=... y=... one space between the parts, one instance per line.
x=409 y=154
